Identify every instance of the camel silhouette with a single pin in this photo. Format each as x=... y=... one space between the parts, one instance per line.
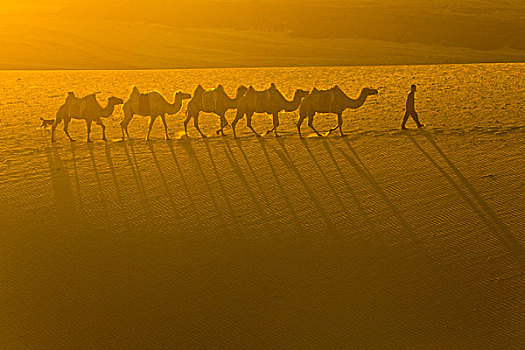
x=86 y=108
x=150 y=104
x=269 y=101
x=333 y=100
x=211 y=101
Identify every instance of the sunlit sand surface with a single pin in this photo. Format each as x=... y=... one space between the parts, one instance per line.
x=382 y=239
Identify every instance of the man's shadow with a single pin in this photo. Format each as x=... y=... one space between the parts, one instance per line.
x=478 y=205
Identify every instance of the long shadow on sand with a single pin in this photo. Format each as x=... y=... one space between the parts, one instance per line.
x=221 y=183
x=295 y=219
x=288 y=162
x=356 y=200
x=64 y=203
x=109 y=159
x=77 y=181
x=182 y=177
x=267 y=201
x=478 y=205
x=363 y=171
x=132 y=162
x=90 y=147
x=240 y=174
x=187 y=145
x=167 y=190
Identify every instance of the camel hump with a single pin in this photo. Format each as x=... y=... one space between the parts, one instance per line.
x=144 y=104
x=135 y=90
x=273 y=86
x=199 y=90
x=250 y=88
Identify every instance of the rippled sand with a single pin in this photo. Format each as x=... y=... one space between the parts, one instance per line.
x=382 y=239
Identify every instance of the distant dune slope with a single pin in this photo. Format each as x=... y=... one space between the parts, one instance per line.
x=176 y=34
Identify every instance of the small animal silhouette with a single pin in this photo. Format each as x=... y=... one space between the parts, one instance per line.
x=46 y=122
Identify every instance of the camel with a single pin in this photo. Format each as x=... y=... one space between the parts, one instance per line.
x=86 y=108
x=333 y=100
x=269 y=101
x=211 y=101
x=150 y=104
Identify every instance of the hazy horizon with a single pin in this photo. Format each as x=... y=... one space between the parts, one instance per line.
x=175 y=34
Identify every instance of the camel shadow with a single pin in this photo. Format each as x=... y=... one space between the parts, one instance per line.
x=187 y=145
x=289 y=163
x=237 y=169
x=285 y=197
x=253 y=173
x=182 y=177
x=77 y=180
x=109 y=159
x=62 y=189
x=478 y=205
x=220 y=182
x=363 y=171
x=167 y=190
x=134 y=166
x=90 y=146
x=305 y=142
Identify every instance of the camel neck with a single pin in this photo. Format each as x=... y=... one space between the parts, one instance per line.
x=358 y=102
x=176 y=105
x=290 y=106
x=108 y=110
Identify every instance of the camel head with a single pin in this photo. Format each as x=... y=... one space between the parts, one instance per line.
x=113 y=101
x=369 y=91
x=301 y=93
x=182 y=95
x=241 y=90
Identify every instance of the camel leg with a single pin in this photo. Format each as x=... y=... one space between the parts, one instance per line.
x=163 y=118
x=66 y=126
x=249 y=124
x=275 y=124
x=238 y=117
x=340 y=123
x=124 y=124
x=311 y=124
x=196 y=124
x=151 y=121
x=186 y=121
x=299 y=122
x=99 y=122
x=224 y=123
x=53 y=127
x=88 y=127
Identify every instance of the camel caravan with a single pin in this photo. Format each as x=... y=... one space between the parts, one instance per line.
x=247 y=102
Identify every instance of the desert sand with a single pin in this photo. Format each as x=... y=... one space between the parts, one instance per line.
x=382 y=239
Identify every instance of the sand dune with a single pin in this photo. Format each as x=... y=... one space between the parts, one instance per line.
x=383 y=239
x=175 y=34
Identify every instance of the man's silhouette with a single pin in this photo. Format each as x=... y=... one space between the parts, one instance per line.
x=411 y=109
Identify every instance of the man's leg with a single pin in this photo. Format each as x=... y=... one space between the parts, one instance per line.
x=405 y=118
x=416 y=119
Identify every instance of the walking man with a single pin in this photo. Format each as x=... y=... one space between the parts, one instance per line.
x=411 y=109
